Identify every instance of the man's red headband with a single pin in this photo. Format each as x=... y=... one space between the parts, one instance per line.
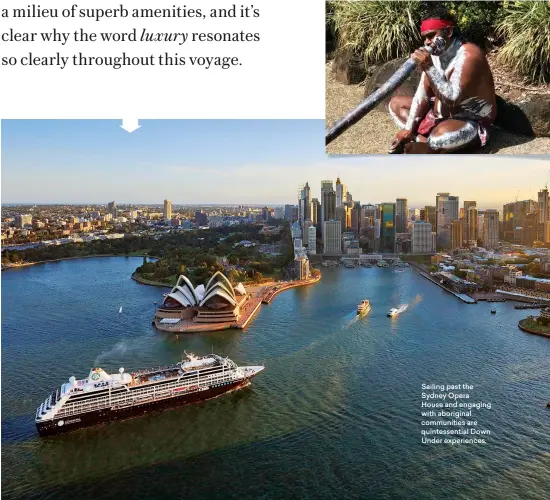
x=434 y=24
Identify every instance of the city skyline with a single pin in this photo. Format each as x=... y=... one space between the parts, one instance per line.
x=192 y=162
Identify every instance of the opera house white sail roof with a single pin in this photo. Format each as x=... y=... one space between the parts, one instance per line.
x=218 y=292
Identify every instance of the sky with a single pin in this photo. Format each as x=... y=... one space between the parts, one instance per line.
x=235 y=162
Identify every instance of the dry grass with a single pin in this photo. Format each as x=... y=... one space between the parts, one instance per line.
x=374 y=133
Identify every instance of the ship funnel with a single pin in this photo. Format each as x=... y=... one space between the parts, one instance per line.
x=121 y=371
x=72 y=381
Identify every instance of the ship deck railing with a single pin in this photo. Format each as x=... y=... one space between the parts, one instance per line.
x=147 y=393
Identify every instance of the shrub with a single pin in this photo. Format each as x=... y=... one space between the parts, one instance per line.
x=476 y=20
x=526 y=28
x=381 y=30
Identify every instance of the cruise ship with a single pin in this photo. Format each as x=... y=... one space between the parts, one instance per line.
x=363 y=307
x=102 y=397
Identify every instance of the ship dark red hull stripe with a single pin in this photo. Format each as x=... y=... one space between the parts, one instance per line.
x=75 y=422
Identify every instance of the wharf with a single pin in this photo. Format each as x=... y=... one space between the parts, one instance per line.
x=270 y=294
x=462 y=296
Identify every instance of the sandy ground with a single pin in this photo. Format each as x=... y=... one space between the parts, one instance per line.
x=374 y=133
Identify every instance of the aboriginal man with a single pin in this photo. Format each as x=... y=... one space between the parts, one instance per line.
x=454 y=105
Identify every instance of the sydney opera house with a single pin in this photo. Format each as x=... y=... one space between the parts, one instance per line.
x=217 y=303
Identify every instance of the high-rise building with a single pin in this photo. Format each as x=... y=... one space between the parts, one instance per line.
x=167 y=210
x=23 y=220
x=387 y=227
x=356 y=219
x=446 y=213
x=430 y=215
x=544 y=208
x=422 y=237
x=490 y=229
x=401 y=211
x=279 y=213
x=266 y=213
x=328 y=206
x=546 y=233
x=513 y=217
x=332 y=237
x=457 y=234
x=341 y=216
x=307 y=225
x=305 y=203
x=312 y=240
x=470 y=223
x=288 y=212
x=315 y=211
x=341 y=193
x=111 y=208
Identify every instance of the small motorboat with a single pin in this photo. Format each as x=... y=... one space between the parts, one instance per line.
x=493 y=311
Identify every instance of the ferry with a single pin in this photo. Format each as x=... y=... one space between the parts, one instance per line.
x=102 y=397
x=363 y=307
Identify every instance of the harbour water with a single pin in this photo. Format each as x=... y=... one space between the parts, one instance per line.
x=336 y=413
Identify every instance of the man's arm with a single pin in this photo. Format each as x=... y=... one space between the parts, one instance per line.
x=450 y=91
x=420 y=104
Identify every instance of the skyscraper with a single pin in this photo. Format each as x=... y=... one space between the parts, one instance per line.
x=305 y=204
x=422 y=237
x=470 y=223
x=111 y=208
x=387 y=227
x=401 y=212
x=341 y=193
x=312 y=240
x=332 y=237
x=356 y=219
x=457 y=234
x=288 y=212
x=544 y=208
x=167 y=209
x=446 y=213
x=315 y=211
x=430 y=215
x=490 y=229
x=328 y=205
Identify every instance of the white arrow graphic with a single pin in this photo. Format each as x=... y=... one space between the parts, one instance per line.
x=130 y=124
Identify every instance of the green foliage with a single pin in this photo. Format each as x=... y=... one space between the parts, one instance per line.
x=476 y=20
x=526 y=28
x=381 y=30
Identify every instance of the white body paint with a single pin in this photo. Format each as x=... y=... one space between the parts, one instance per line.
x=419 y=96
x=456 y=139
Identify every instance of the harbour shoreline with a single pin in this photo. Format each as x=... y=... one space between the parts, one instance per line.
x=6 y=267
x=530 y=330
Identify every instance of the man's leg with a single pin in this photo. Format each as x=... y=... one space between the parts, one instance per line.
x=448 y=136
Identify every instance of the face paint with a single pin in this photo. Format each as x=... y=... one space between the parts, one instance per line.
x=439 y=45
x=419 y=96
x=455 y=139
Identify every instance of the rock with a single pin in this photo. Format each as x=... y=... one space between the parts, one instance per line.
x=537 y=110
x=383 y=74
x=512 y=118
x=530 y=117
x=349 y=67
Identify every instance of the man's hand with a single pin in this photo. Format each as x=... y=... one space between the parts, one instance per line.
x=402 y=137
x=422 y=58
